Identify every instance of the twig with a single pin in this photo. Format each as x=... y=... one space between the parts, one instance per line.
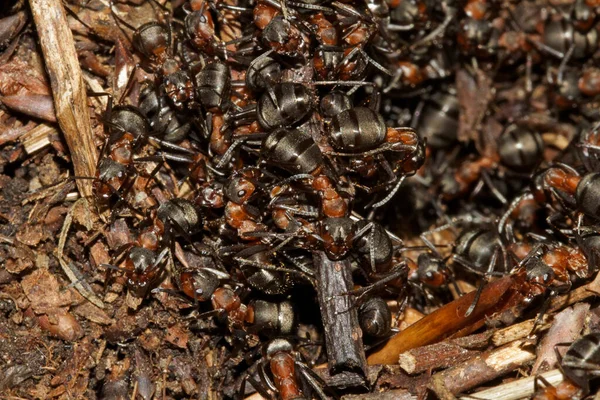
x=483 y=368
x=566 y=327
x=445 y=354
x=68 y=89
x=519 y=331
x=523 y=388
x=69 y=268
x=345 y=353
x=454 y=351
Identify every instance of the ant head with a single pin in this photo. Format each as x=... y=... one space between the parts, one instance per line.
x=539 y=272
x=142 y=270
x=239 y=189
x=338 y=236
x=111 y=177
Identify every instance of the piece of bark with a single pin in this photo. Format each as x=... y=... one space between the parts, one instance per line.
x=444 y=354
x=68 y=88
x=338 y=380
x=566 y=328
x=12 y=134
x=515 y=390
x=483 y=368
x=343 y=336
x=394 y=377
x=444 y=322
x=31 y=104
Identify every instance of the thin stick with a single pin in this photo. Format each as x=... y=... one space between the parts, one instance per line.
x=68 y=88
x=523 y=388
x=483 y=368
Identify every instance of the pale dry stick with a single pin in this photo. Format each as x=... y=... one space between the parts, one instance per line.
x=454 y=351
x=68 y=88
x=394 y=394
x=483 y=368
x=38 y=138
x=255 y=396
x=444 y=354
x=91 y=81
x=523 y=388
x=519 y=331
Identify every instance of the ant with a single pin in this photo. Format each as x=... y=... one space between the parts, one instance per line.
x=296 y=151
x=436 y=119
x=360 y=135
x=143 y=268
x=581 y=362
x=155 y=41
x=518 y=150
x=561 y=189
x=282 y=373
x=205 y=284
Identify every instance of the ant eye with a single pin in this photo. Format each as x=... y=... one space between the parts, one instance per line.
x=241 y=193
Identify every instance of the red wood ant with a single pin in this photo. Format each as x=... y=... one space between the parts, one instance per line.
x=285 y=373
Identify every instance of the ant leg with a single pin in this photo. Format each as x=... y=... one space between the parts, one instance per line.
x=213 y=313
x=299 y=265
x=173 y=293
x=260 y=388
x=563 y=64
x=511 y=208
x=538 y=379
x=120 y=20
x=531 y=254
x=314 y=380
x=371 y=240
x=271 y=267
x=482 y=284
x=467 y=265
x=363 y=291
x=488 y=181
x=391 y=194
x=540 y=316
x=264 y=377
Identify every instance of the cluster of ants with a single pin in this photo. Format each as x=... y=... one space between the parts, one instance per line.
x=280 y=130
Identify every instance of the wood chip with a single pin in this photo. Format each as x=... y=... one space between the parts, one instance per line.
x=68 y=88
